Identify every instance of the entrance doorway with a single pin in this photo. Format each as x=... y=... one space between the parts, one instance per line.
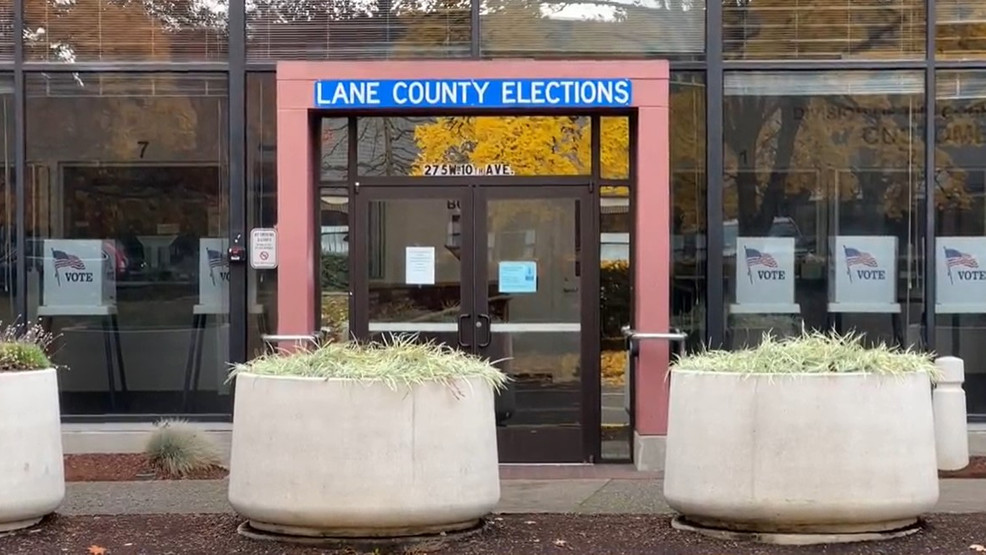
x=499 y=272
x=475 y=221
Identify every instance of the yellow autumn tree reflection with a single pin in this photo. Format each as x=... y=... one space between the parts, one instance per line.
x=530 y=145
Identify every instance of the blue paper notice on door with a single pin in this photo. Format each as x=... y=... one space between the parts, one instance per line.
x=518 y=277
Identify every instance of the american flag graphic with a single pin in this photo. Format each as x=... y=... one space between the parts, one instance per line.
x=66 y=260
x=955 y=257
x=216 y=259
x=856 y=257
x=755 y=257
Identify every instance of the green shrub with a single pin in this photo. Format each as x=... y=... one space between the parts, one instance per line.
x=614 y=297
x=335 y=272
x=811 y=352
x=177 y=449
x=24 y=348
x=399 y=360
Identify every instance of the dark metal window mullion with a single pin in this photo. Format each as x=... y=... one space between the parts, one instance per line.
x=585 y=254
x=236 y=121
x=930 y=91
x=20 y=165
x=474 y=35
x=714 y=318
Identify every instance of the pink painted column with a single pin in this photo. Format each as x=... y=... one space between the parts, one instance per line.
x=652 y=268
x=295 y=219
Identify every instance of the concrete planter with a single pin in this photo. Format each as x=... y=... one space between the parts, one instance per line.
x=800 y=454
x=316 y=457
x=32 y=473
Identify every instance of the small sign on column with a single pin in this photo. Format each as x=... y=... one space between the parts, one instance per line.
x=263 y=248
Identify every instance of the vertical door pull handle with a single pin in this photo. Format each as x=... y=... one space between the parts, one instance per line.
x=489 y=331
x=462 y=344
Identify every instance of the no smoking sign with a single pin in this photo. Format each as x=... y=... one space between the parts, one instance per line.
x=263 y=248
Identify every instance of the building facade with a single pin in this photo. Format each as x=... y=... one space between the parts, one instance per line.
x=800 y=153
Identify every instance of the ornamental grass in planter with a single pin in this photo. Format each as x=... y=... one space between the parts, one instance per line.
x=813 y=434
x=32 y=475
x=365 y=440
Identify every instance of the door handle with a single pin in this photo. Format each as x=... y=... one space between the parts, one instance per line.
x=458 y=339
x=489 y=330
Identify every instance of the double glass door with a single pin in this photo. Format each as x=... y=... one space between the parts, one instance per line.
x=499 y=272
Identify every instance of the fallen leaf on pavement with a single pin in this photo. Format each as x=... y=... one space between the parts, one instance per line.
x=978 y=547
x=561 y=543
x=97 y=550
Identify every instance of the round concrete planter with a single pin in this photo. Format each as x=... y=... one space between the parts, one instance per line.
x=801 y=454
x=32 y=473
x=336 y=458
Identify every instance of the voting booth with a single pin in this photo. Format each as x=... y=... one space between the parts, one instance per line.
x=960 y=278
x=765 y=276
x=960 y=282
x=213 y=281
x=79 y=280
x=213 y=277
x=863 y=274
x=79 y=277
x=863 y=279
x=763 y=287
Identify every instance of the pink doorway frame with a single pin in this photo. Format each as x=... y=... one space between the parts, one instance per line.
x=297 y=168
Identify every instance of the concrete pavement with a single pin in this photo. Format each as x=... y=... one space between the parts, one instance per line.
x=585 y=495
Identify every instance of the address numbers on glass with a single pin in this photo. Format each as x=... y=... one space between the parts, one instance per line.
x=451 y=170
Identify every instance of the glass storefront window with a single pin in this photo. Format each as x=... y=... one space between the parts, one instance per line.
x=7 y=37
x=487 y=145
x=823 y=218
x=380 y=29
x=823 y=30
x=961 y=29
x=129 y=200
x=647 y=28
x=334 y=153
x=614 y=148
x=334 y=243
x=960 y=226
x=106 y=30
x=261 y=178
x=615 y=301
x=8 y=222
x=689 y=188
x=507 y=145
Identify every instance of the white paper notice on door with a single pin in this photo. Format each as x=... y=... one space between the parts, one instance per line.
x=419 y=266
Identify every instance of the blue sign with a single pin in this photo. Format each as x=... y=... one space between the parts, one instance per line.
x=518 y=277
x=474 y=93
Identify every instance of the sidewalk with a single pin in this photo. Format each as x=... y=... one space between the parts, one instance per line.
x=544 y=511
x=579 y=495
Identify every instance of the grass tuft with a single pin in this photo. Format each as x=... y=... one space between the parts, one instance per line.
x=24 y=348
x=812 y=352
x=399 y=360
x=178 y=449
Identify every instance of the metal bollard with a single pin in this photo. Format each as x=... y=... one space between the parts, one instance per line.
x=951 y=426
